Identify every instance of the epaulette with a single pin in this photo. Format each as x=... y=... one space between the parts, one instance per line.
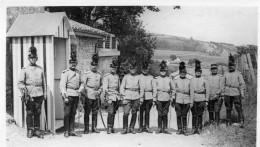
x=99 y=72
x=220 y=75
x=107 y=74
x=65 y=70
x=25 y=67
x=87 y=72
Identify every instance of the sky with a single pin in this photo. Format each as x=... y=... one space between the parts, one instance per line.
x=236 y=25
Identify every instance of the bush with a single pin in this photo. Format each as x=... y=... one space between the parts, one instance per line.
x=173 y=57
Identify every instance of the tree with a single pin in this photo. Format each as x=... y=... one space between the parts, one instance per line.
x=173 y=57
x=134 y=42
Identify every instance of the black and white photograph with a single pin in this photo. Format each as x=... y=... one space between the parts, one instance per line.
x=142 y=75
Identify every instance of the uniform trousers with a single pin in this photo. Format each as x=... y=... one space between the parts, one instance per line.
x=134 y=106
x=70 y=110
x=33 y=111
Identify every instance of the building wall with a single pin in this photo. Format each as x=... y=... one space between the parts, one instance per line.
x=85 y=50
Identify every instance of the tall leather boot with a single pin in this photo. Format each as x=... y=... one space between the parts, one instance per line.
x=179 y=124
x=30 y=133
x=72 y=126
x=86 y=123
x=228 y=121
x=147 y=122
x=199 y=124
x=159 y=125
x=112 y=123
x=184 y=124
x=217 y=118
x=141 y=123
x=240 y=119
x=125 y=124
x=165 y=125
x=94 y=124
x=109 y=126
x=211 y=118
x=132 y=124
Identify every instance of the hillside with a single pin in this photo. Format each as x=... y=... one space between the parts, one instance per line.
x=175 y=43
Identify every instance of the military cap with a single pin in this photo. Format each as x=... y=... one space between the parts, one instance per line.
x=214 y=66
x=95 y=60
x=73 y=54
x=231 y=60
x=163 y=66
x=182 y=67
x=33 y=52
x=197 y=66
x=114 y=63
x=145 y=65
x=133 y=64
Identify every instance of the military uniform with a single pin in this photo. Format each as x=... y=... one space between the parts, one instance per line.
x=216 y=89
x=201 y=95
x=93 y=88
x=32 y=81
x=111 y=90
x=234 y=88
x=147 y=84
x=71 y=84
x=132 y=92
x=176 y=75
x=183 y=95
x=162 y=95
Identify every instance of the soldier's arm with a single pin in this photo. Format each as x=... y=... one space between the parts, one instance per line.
x=21 y=81
x=154 y=90
x=191 y=91
x=122 y=86
x=173 y=86
x=63 y=82
x=207 y=90
x=141 y=85
x=221 y=86
x=82 y=82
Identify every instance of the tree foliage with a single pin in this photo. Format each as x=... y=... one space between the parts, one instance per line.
x=173 y=57
x=134 y=42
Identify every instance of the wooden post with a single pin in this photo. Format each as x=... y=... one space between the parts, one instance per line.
x=251 y=68
x=246 y=68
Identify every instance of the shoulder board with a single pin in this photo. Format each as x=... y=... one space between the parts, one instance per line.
x=238 y=71
x=25 y=67
x=156 y=77
x=107 y=74
x=99 y=72
x=220 y=75
x=88 y=72
x=65 y=70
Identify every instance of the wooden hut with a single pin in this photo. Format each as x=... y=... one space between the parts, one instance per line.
x=51 y=34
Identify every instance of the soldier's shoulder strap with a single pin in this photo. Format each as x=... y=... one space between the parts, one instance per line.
x=107 y=74
x=220 y=75
x=66 y=70
x=87 y=72
x=99 y=72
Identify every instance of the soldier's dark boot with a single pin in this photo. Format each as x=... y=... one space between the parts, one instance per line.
x=94 y=124
x=194 y=120
x=184 y=125
x=86 y=129
x=179 y=131
x=165 y=125
x=211 y=118
x=146 y=129
x=159 y=125
x=125 y=124
x=199 y=124
x=109 y=126
x=30 y=133
x=86 y=123
x=73 y=133
x=66 y=134
x=217 y=118
x=109 y=130
x=132 y=124
x=147 y=122
x=112 y=123
x=228 y=121
x=38 y=133
x=240 y=119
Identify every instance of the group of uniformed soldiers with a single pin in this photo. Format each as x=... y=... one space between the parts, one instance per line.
x=182 y=91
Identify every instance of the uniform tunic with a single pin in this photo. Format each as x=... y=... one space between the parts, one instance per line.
x=234 y=83
x=183 y=91
x=33 y=79
x=162 y=87
x=71 y=82
x=216 y=86
x=147 y=83
x=111 y=86
x=201 y=89
x=176 y=75
x=92 y=82
x=131 y=87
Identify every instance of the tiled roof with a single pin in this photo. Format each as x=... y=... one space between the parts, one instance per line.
x=79 y=27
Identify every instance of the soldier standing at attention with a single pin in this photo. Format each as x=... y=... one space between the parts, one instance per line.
x=216 y=88
x=32 y=83
x=147 y=83
x=111 y=89
x=234 y=91
x=132 y=92
x=71 y=85
x=93 y=88
x=183 y=95
x=162 y=97
x=201 y=98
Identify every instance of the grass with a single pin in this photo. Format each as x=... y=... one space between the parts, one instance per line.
x=235 y=136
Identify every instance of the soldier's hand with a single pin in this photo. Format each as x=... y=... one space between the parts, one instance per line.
x=125 y=102
x=109 y=101
x=66 y=100
x=206 y=104
x=173 y=104
x=154 y=103
x=191 y=105
x=141 y=102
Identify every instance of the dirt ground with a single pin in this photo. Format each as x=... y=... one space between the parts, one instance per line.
x=17 y=136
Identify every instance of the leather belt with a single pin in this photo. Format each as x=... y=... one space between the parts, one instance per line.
x=148 y=91
x=233 y=86
x=132 y=89
x=199 y=92
x=35 y=85
x=95 y=88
